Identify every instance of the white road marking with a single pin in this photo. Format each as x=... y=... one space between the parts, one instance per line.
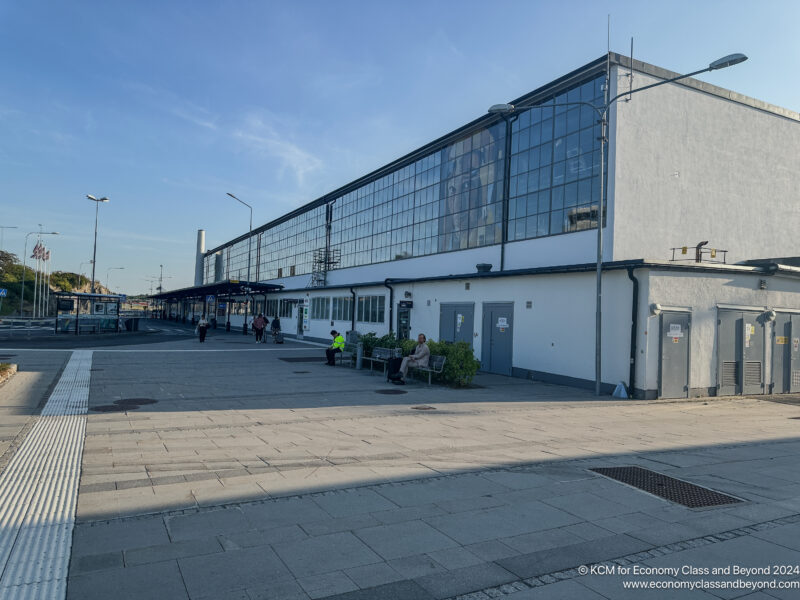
x=39 y=491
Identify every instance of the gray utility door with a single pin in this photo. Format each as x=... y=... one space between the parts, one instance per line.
x=498 y=336
x=786 y=354
x=403 y=323
x=457 y=322
x=675 y=344
x=740 y=353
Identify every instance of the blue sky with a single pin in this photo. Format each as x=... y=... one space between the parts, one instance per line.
x=164 y=106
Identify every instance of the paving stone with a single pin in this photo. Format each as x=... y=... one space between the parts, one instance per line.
x=468 y=579
x=162 y=552
x=404 y=539
x=373 y=575
x=566 y=557
x=98 y=538
x=145 y=582
x=95 y=562
x=249 y=539
x=401 y=590
x=419 y=565
x=207 y=523
x=329 y=584
x=561 y=590
x=324 y=554
x=353 y=502
x=226 y=571
x=281 y=590
x=504 y=521
x=288 y=511
x=455 y=558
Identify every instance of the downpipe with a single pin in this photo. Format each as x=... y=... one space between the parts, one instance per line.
x=634 y=329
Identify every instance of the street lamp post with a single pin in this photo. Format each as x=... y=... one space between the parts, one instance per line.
x=108 y=276
x=504 y=110
x=24 y=263
x=249 y=256
x=97 y=202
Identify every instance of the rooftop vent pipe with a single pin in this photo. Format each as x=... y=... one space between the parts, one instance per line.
x=483 y=267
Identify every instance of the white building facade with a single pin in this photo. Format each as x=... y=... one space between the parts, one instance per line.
x=399 y=249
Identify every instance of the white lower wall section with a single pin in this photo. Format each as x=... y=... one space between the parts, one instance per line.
x=702 y=294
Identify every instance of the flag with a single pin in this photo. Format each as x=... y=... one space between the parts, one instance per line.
x=47 y=255
x=36 y=250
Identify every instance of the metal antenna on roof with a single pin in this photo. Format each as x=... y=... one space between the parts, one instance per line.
x=630 y=75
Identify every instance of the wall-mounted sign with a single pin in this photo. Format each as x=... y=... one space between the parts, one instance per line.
x=675 y=331
x=406 y=304
x=99 y=308
x=781 y=340
x=66 y=305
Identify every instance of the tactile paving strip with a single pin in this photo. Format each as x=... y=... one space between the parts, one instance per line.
x=669 y=488
x=39 y=491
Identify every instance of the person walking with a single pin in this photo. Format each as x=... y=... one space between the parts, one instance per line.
x=276 y=328
x=418 y=358
x=202 y=328
x=336 y=347
x=258 y=328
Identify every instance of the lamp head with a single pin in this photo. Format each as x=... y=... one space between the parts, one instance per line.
x=501 y=109
x=727 y=61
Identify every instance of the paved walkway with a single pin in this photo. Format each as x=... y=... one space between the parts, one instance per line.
x=256 y=475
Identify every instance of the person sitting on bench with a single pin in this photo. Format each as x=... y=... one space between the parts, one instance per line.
x=336 y=346
x=418 y=358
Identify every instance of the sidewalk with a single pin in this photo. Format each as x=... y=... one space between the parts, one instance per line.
x=258 y=475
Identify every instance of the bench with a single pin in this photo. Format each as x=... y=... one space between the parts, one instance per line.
x=435 y=366
x=348 y=354
x=381 y=356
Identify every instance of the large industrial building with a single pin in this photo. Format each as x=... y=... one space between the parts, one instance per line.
x=493 y=241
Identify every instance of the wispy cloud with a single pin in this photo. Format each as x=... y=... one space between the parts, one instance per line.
x=174 y=105
x=260 y=133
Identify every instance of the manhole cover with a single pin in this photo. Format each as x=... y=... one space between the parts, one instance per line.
x=423 y=407
x=93 y=370
x=293 y=359
x=669 y=488
x=113 y=408
x=391 y=392
x=134 y=402
x=301 y=372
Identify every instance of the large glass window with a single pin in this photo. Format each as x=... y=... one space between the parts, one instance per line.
x=321 y=308
x=370 y=309
x=555 y=165
x=342 y=308
x=271 y=309
x=286 y=308
x=450 y=199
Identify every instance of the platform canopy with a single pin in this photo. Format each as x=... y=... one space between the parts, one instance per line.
x=224 y=289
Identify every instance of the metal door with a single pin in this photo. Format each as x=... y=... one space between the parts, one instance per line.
x=729 y=349
x=753 y=354
x=794 y=364
x=497 y=346
x=457 y=322
x=740 y=353
x=403 y=323
x=786 y=354
x=675 y=346
x=782 y=354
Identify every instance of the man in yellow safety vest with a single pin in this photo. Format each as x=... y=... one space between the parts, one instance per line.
x=336 y=346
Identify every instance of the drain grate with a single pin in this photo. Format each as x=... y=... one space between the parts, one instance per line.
x=135 y=402
x=423 y=407
x=669 y=488
x=301 y=359
x=391 y=392
x=107 y=408
x=301 y=372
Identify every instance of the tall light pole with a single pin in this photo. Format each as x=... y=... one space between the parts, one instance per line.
x=2 y=232
x=97 y=202
x=24 y=262
x=249 y=255
x=249 y=235
x=108 y=275
x=602 y=112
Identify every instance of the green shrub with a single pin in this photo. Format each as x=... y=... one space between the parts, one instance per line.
x=460 y=365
